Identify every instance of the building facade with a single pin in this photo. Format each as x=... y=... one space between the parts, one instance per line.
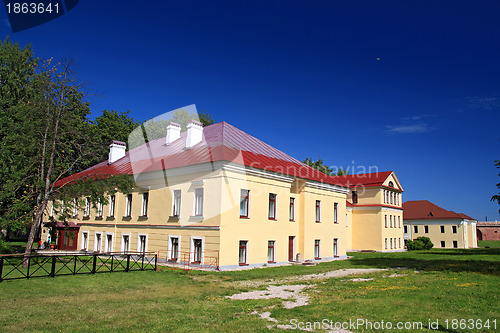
x=446 y=229
x=216 y=195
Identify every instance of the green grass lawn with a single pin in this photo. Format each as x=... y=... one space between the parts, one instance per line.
x=437 y=285
x=490 y=243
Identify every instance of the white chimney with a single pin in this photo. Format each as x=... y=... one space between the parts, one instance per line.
x=116 y=151
x=194 y=133
x=173 y=132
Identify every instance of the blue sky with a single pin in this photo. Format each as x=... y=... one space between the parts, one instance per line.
x=409 y=86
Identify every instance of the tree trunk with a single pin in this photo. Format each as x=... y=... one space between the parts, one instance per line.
x=34 y=228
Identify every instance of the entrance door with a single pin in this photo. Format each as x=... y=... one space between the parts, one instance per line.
x=67 y=239
x=291 y=241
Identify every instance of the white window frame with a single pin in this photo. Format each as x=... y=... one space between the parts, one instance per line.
x=86 y=212
x=99 y=209
x=84 y=245
x=169 y=246
x=176 y=208
x=75 y=207
x=139 y=243
x=291 y=210
x=336 y=212
x=198 y=206
x=122 y=245
x=386 y=243
x=275 y=208
x=317 y=211
x=317 y=247
x=247 y=205
x=128 y=204
x=96 y=249
x=112 y=205
x=106 y=243
x=191 y=248
x=145 y=204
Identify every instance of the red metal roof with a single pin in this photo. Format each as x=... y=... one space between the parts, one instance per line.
x=365 y=179
x=426 y=210
x=221 y=142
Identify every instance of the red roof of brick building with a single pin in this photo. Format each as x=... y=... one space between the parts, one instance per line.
x=426 y=210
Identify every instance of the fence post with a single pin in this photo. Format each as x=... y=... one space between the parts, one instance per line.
x=112 y=257
x=1 y=269
x=156 y=262
x=28 y=270
x=142 y=266
x=94 y=264
x=128 y=263
x=53 y=268
x=74 y=267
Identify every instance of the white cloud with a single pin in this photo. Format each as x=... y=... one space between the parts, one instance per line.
x=407 y=129
x=483 y=102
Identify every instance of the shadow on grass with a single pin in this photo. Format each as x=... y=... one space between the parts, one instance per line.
x=435 y=261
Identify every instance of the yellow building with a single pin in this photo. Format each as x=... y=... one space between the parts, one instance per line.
x=446 y=229
x=216 y=196
x=375 y=208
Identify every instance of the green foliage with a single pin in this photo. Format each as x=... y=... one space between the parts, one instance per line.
x=421 y=243
x=319 y=165
x=497 y=196
x=342 y=172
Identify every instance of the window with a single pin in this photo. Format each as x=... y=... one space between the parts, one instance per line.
x=85 y=241
x=75 y=207
x=443 y=244
x=415 y=229
x=128 y=205
x=97 y=242
x=318 y=211
x=125 y=243
x=405 y=229
x=174 y=248
x=455 y=244
x=385 y=193
x=145 y=203
x=399 y=241
x=335 y=212
x=176 y=206
x=272 y=206
x=112 y=202
x=86 y=213
x=426 y=229
x=391 y=242
x=142 y=243
x=335 y=247
x=317 y=244
x=386 y=243
x=109 y=243
x=198 y=202
x=399 y=221
x=52 y=209
x=354 y=197
x=99 y=209
x=292 y=209
x=244 y=203
x=197 y=250
x=454 y=229
x=242 y=260
x=442 y=229
x=270 y=251
x=385 y=217
x=390 y=218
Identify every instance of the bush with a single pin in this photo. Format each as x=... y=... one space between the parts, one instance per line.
x=421 y=243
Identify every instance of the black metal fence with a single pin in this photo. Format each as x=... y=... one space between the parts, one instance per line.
x=11 y=266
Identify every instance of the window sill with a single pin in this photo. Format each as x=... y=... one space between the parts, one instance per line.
x=318 y=221
x=98 y=217
x=243 y=264
x=86 y=217
x=271 y=219
x=196 y=218
x=244 y=217
x=291 y=220
x=317 y=258
x=142 y=218
x=271 y=262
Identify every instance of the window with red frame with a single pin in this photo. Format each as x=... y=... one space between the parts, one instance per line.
x=244 y=203
x=272 y=206
x=318 y=211
x=292 y=209
x=335 y=212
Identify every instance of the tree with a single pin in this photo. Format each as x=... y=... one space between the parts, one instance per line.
x=496 y=197
x=50 y=138
x=319 y=165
